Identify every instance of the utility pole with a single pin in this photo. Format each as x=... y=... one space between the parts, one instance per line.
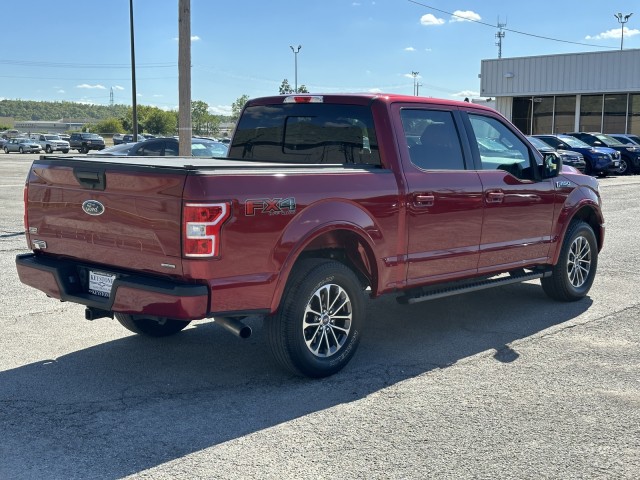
x=184 y=78
x=418 y=85
x=415 y=88
x=134 y=100
x=500 y=35
x=295 y=54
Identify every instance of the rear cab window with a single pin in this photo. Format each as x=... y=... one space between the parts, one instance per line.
x=306 y=133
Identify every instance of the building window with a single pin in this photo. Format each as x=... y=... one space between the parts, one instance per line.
x=565 y=114
x=591 y=113
x=542 y=115
x=521 y=115
x=634 y=114
x=614 y=119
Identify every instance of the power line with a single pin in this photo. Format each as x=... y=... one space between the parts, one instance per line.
x=509 y=29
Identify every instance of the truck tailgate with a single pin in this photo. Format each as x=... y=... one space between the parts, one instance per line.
x=109 y=213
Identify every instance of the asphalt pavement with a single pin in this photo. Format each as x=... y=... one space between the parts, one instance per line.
x=503 y=383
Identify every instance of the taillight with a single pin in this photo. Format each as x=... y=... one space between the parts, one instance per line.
x=303 y=99
x=201 y=225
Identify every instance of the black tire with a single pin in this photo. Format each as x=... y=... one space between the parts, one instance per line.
x=575 y=271
x=623 y=168
x=65 y=151
x=308 y=338
x=6 y=150
x=21 y=150
x=84 y=149
x=48 y=149
x=149 y=326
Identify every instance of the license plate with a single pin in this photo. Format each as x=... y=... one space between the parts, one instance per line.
x=100 y=283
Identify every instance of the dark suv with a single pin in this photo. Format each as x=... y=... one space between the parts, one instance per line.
x=83 y=142
x=599 y=160
x=629 y=155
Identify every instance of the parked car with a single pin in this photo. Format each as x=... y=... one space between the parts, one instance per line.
x=7 y=134
x=64 y=136
x=626 y=138
x=573 y=159
x=629 y=155
x=128 y=138
x=83 y=142
x=168 y=146
x=599 y=160
x=117 y=138
x=22 y=145
x=51 y=143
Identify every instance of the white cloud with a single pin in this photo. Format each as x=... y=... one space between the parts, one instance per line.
x=117 y=87
x=466 y=94
x=61 y=91
x=158 y=95
x=430 y=19
x=409 y=75
x=409 y=49
x=375 y=90
x=86 y=85
x=615 y=33
x=465 y=16
x=194 y=38
x=356 y=4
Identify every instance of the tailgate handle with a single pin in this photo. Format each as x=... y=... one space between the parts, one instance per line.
x=95 y=180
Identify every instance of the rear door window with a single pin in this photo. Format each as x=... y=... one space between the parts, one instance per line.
x=307 y=133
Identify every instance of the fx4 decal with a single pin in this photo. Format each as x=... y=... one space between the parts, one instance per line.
x=563 y=184
x=270 y=206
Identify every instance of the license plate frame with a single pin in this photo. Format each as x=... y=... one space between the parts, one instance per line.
x=100 y=283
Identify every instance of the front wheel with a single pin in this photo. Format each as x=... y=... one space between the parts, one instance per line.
x=150 y=326
x=623 y=168
x=575 y=271
x=48 y=149
x=21 y=150
x=318 y=326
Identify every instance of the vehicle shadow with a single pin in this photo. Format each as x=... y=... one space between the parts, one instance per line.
x=134 y=403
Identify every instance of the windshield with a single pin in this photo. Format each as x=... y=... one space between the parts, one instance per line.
x=536 y=142
x=610 y=141
x=52 y=137
x=91 y=136
x=573 y=142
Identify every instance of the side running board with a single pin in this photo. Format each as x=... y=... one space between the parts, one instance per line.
x=456 y=288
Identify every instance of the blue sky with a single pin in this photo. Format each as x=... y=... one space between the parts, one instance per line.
x=79 y=50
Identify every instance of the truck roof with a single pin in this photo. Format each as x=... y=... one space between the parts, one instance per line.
x=360 y=99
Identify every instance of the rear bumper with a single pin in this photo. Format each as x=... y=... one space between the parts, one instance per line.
x=131 y=293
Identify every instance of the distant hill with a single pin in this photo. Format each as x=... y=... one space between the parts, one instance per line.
x=43 y=111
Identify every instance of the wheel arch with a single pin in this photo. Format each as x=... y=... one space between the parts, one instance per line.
x=589 y=213
x=351 y=240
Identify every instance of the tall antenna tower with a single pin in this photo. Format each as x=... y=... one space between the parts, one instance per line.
x=500 y=35
x=111 y=97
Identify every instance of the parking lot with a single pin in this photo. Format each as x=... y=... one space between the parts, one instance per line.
x=499 y=383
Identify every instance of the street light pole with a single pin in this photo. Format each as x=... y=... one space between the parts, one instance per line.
x=622 y=19
x=295 y=54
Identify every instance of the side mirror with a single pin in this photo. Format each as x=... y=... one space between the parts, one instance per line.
x=551 y=165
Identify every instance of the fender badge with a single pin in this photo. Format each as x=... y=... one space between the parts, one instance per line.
x=92 y=207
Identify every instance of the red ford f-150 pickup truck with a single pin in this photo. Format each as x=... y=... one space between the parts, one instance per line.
x=323 y=199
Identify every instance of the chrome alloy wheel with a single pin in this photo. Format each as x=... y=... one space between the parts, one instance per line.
x=579 y=262
x=327 y=320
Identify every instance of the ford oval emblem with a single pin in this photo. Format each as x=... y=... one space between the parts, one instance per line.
x=92 y=207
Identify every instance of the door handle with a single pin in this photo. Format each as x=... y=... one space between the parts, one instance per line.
x=424 y=199
x=495 y=196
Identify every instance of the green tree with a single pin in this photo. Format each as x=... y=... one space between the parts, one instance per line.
x=237 y=106
x=286 y=89
x=160 y=122
x=108 y=125
x=199 y=116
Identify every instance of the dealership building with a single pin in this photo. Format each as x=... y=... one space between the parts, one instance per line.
x=587 y=92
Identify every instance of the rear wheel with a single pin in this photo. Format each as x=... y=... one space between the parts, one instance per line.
x=151 y=326
x=48 y=149
x=575 y=271
x=318 y=326
x=623 y=169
